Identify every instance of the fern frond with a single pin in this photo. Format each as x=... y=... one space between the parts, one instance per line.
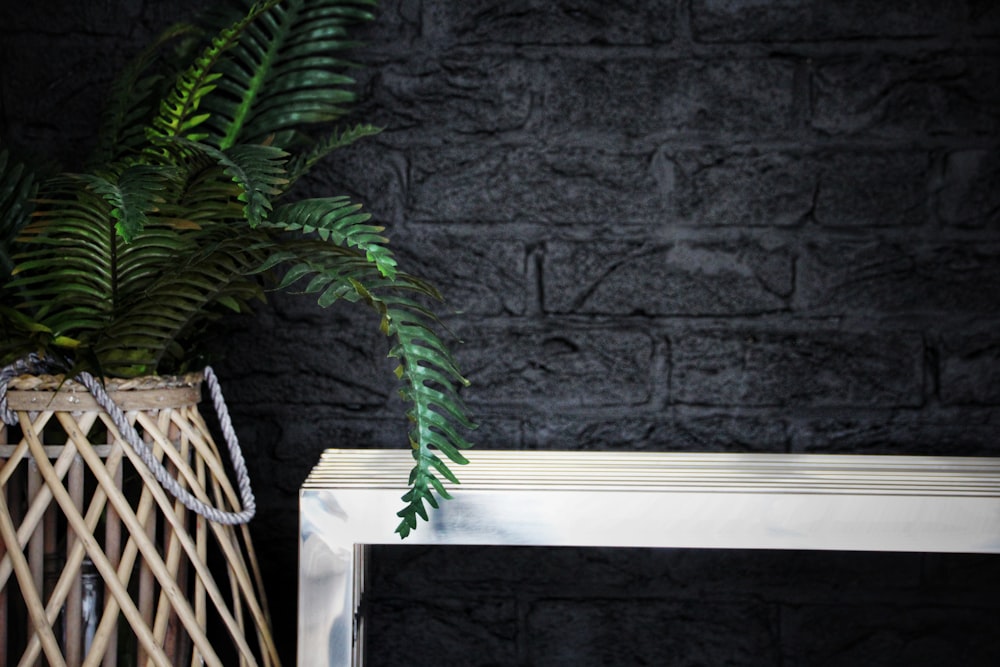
x=150 y=331
x=78 y=275
x=161 y=248
x=430 y=380
x=122 y=127
x=302 y=163
x=256 y=169
x=338 y=220
x=204 y=193
x=284 y=74
x=131 y=195
x=21 y=335
x=427 y=371
x=67 y=247
x=178 y=114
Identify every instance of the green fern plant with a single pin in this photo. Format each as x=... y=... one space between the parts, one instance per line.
x=179 y=218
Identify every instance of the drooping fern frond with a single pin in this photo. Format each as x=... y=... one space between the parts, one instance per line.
x=303 y=162
x=339 y=221
x=428 y=372
x=430 y=379
x=161 y=246
x=205 y=195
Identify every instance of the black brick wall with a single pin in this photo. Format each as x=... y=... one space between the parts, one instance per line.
x=664 y=225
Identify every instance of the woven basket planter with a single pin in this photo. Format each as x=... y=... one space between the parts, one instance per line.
x=99 y=565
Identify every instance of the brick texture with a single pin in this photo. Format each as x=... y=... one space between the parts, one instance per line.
x=818 y=368
x=701 y=225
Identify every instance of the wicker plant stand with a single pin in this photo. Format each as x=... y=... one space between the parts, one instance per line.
x=99 y=565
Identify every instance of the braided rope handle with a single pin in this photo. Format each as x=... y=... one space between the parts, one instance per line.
x=131 y=436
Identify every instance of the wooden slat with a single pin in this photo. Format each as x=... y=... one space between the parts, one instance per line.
x=36 y=543
x=30 y=523
x=113 y=548
x=201 y=546
x=108 y=627
x=82 y=401
x=146 y=582
x=30 y=594
x=4 y=613
x=165 y=619
x=72 y=571
x=77 y=523
x=74 y=601
x=167 y=628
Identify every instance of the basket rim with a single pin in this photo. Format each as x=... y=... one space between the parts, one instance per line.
x=59 y=382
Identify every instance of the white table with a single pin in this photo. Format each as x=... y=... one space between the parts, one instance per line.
x=629 y=499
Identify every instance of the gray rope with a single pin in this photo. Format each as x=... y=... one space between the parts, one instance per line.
x=19 y=367
x=128 y=431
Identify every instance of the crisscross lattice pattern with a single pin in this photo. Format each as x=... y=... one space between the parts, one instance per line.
x=98 y=565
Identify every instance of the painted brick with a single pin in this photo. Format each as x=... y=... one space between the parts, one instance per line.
x=784 y=368
x=397 y=26
x=652 y=632
x=483 y=94
x=273 y=531
x=556 y=366
x=670 y=574
x=796 y=20
x=726 y=187
x=370 y=172
x=118 y=19
x=925 y=633
x=675 y=575
x=984 y=17
x=735 y=187
x=306 y=432
x=450 y=632
x=484 y=275
x=975 y=574
x=787 y=575
x=875 y=277
x=622 y=278
x=495 y=431
x=872 y=189
x=637 y=98
x=307 y=356
x=493 y=184
x=475 y=94
x=967 y=195
x=929 y=433
x=528 y=571
x=52 y=110
x=535 y=22
x=970 y=370
x=897 y=96
x=723 y=432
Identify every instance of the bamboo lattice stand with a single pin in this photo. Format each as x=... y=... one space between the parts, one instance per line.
x=98 y=564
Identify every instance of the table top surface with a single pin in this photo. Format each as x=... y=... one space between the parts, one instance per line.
x=672 y=471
